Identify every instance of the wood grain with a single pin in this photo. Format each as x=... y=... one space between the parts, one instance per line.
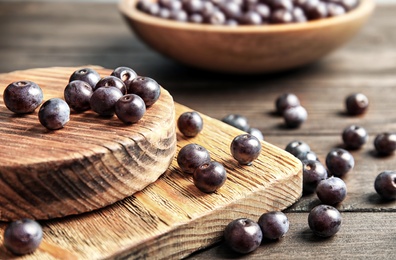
x=170 y=218
x=91 y=163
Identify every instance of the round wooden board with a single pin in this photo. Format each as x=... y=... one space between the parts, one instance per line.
x=91 y=163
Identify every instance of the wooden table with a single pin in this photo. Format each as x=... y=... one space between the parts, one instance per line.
x=77 y=33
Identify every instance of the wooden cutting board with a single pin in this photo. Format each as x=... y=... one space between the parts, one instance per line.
x=170 y=218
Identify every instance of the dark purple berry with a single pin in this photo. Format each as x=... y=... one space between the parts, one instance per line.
x=251 y=18
x=245 y=148
x=190 y=123
x=209 y=177
x=23 y=236
x=308 y=156
x=281 y=16
x=331 y=191
x=295 y=116
x=54 y=113
x=191 y=156
x=86 y=74
x=339 y=162
x=77 y=95
x=103 y=100
x=256 y=132
x=335 y=9
x=274 y=224
x=111 y=81
x=354 y=137
x=385 y=143
x=147 y=88
x=297 y=148
x=237 y=121
x=243 y=235
x=130 y=108
x=356 y=104
x=125 y=74
x=324 y=220
x=313 y=173
x=22 y=97
x=385 y=185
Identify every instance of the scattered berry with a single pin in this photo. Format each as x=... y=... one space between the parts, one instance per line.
x=297 y=148
x=237 y=121
x=354 y=137
x=339 y=162
x=22 y=97
x=54 y=113
x=331 y=191
x=274 y=224
x=245 y=148
x=243 y=235
x=77 y=95
x=256 y=132
x=385 y=185
x=190 y=123
x=285 y=101
x=295 y=116
x=147 y=88
x=324 y=220
x=191 y=156
x=385 y=143
x=130 y=108
x=356 y=104
x=313 y=173
x=23 y=236
x=209 y=177
x=103 y=100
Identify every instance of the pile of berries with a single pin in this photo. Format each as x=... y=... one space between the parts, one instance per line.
x=123 y=93
x=246 y=12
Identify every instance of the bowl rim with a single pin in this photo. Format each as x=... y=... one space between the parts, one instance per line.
x=129 y=10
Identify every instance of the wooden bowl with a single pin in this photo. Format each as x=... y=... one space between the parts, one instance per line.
x=245 y=49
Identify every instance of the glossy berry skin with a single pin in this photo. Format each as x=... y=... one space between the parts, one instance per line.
x=339 y=162
x=86 y=74
x=385 y=143
x=354 y=137
x=22 y=97
x=236 y=121
x=256 y=132
x=331 y=191
x=111 y=81
x=23 y=236
x=243 y=235
x=245 y=148
x=285 y=101
x=295 y=116
x=126 y=74
x=54 y=113
x=385 y=185
x=310 y=155
x=297 y=148
x=324 y=220
x=209 y=177
x=313 y=173
x=103 y=100
x=190 y=123
x=130 y=108
x=356 y=104
x=147 y=88
x=274 y=224
x=191 y=156
x=77 y=95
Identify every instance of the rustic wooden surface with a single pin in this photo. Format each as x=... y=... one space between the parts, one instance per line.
x=150 y=223
x=37 y=35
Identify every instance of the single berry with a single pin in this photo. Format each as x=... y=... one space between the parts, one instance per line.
x=130 y=108
x=297 y=148
x=111 y=81
x=54 y=113
x=22 y=97
x=23 y=236
x=286 y=101
x=354 y=137
x=147 y=88
x=86 y=74
x=339 y=162
x=324 y=220
x=77 y=95
x=385 y=185
x=313 y=173
x=191 y=156
x=356 y=104
x=295 y=116
x=190 y=123
x=331 y=191
x=236 y=121
x=274 y=224
x=256 y=132
x=310 y=155
x=103 y=100
x=243 y=235
x=245 y=148
x=385 y=143
x=125 y=74
x=209 y=177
